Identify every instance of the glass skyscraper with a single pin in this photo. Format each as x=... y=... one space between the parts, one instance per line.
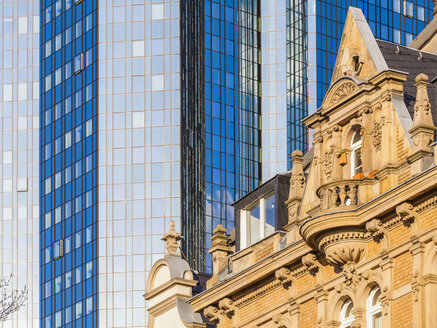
x=140 y=111
x=152 y=111
x=19 y=148
x=299 y=42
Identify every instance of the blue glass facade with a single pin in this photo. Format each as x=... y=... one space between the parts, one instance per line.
x=315 y=28
x=68 y=164
x=231 y=109
x=19 y=159
x=139 y=124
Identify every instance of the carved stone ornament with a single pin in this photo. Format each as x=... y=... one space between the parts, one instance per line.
x=375 y=228
x=327 y=162
x=310 y=261
x=408 y=215
x=284 y=276
x=343 y=91
x=344 y=247
x=351 y=276
x=212 y=314
x=227 y=306
x=377 y=135
x=172 y=238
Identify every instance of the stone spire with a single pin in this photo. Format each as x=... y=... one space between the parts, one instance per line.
x=297 y=179
x=422 y=132
x=423 y=128
x=172 y=238
x=295 y=195
x=220 y=250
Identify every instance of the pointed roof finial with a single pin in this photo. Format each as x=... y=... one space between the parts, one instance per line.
x=172 y=238
x=297 y=178
x=422 y=108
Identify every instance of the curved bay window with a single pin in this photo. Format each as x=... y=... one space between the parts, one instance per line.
x=346 y=316
x=356 y=161
x=374 y=311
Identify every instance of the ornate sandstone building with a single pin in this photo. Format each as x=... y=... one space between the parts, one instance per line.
x=348 y=238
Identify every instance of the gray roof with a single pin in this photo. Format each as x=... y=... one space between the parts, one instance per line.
x=407 y=60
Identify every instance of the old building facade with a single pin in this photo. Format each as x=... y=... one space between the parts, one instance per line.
x=359 y=247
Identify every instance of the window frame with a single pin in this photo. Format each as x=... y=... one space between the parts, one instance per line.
x=372 y=310
x=355 y=146
x=346 y=322
x=246 y=238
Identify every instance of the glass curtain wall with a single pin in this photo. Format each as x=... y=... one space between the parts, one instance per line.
x=19 y=148
x=68 y=164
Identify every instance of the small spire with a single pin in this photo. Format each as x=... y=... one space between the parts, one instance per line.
x=172 y=238
x=297 y=179
x=422 y=108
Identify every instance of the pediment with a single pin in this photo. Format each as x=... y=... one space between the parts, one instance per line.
x=341 y=90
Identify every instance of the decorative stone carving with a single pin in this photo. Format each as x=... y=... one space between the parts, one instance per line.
x=376 y=230
x=344 y=247
x=343 y=91
x=385 y=301
x=327 y=162
x=227 y=307
x=376 y=134
x=408 y=216
x=351 y=276
x=310 y=261
x=297 y=185
x=172 y=238
x=220 y=251
x=284 y=276
x=212 y=314
x=423 y=128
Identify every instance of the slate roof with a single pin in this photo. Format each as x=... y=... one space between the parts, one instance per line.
x=407 y=61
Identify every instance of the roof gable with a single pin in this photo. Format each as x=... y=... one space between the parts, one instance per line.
x=358 y=54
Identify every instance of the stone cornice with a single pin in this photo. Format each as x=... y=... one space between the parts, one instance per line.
x=249 y=276
x=168 y=285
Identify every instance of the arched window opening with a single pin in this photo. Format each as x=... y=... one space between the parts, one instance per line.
x=374 y=311
x=356 y=161
x=346 y=316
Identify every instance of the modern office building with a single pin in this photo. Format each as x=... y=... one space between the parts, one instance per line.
x=299 y=40
x=19 y=182
x=140 y=125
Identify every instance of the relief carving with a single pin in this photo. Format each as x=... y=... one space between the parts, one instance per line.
x=327 y=162
x=409 y=216
x=343 y=91
x=284 y=276
x=351 y=276
x=344 y=247
x=376 y=134
x=310 y=262
x=212 y=314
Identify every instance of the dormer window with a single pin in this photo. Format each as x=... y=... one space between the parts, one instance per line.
x=356 y=161
x=258 y=220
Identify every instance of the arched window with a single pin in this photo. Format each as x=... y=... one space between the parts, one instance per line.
x=373 y=306
x=346 y=316
x=356 y=162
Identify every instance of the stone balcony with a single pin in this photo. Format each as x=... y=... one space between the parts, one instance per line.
x=344 y=194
